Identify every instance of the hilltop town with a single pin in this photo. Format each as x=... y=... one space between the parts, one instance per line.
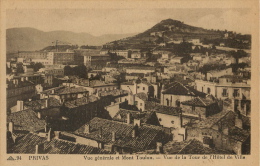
x=173 y=89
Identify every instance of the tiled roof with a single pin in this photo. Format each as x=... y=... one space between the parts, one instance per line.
x=115 y=92
x=49 y=91
x=179 y=89
x=76 y=102
x=198 y=101
x=166 y=110
x=26 y=120
x=69 y=90
x=142 y=96
x=146 y=134
x=191 y=147
x=27 y=145
x=37 y=105
x=211 y=120
x=121 y=115
x=238 y=133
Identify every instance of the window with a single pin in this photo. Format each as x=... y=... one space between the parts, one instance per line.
x=138 y=87
x=224 y=92
x=208 y=90
x=193 y=108
x=136 y=102
x=172 y=121
x=236 y=93
x=160 y=119
x=141 y=104
x=143 y=88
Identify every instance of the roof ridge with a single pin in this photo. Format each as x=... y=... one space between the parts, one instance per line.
x=202 y=101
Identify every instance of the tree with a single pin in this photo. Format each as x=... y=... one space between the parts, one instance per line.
x=38 y=66
x=67 y=70
x=8 y=70
x=238 y=54
x=20 y=67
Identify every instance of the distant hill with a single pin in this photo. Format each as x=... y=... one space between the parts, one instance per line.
x=30 y=39
x=169 y=30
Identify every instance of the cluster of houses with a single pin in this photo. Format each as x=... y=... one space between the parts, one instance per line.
x=148 y=101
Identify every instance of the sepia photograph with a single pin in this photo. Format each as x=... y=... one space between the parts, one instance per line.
x=133 y=82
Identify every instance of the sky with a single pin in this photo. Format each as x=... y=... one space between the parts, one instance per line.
x=122 y=21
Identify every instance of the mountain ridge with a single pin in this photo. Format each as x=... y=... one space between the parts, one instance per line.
x=31 y=39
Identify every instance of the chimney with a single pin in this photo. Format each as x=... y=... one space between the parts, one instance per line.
x=52 y=91
x=49 y=135
x=100 y=132
x=112 y=103
x=87 y=129
x=137 y=122
x=39 y=115
x=57 y=134
x=46 y=103
x=238 y=123
x=184 y=77
x=36 y=149
x=22 y=79
x=30 y=99
x=11 y=126
x=26 y=78
x=128 y=118
x=225 y=131
x=135 y=131
x=159 y=147
x=113 y=136
x=45 y=127
x=19 y=106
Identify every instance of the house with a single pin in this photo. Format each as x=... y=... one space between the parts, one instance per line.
x=151 y=90
x=121 y=137
x=65 y=93
x=200 y=107
x=222 y=131
x=56 y=143
x=136 y=55
x=225 y=88
x=194 y=41
x=19 y=89
x=134 y=117
x=140 y=69
x=25 y=121
x=177 y=93
x=191 y=146
x=177 y=60
x=95 y=86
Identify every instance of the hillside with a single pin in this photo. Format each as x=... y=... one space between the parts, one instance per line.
x=170 y=30
x=29 y=39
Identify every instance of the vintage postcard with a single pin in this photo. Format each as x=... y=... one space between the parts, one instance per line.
x=129 y=82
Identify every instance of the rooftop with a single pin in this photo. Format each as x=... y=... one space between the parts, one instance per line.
x=27 y=144
x=37 y=104
x=146 y=134
x=178 y=88
x=142 y=96
x=199 y=101
x=26 y=120
x=68 y=90
x=192 y=146
x=212 y=120
x=121 y=116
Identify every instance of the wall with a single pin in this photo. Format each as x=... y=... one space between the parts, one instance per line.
x=168 y=120
x=172 y=99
